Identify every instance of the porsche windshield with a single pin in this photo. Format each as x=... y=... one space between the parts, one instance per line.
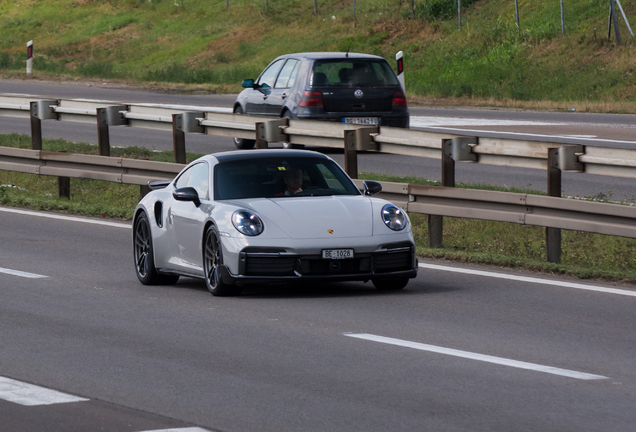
x=280 y=178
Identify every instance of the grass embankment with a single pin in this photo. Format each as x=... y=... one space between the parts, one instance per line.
x=584 y=255
x=203 y=44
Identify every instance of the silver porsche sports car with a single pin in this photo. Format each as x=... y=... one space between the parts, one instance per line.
x=264 y=216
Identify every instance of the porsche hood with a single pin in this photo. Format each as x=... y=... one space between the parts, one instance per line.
x=318 y=217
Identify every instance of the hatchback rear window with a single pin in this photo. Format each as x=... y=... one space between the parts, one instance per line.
x=352 y=73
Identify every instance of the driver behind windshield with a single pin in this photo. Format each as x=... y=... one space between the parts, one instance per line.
x=293 y=179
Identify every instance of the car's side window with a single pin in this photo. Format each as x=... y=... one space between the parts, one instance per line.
x=287 y=75
x=200 y=179
x=268 y=77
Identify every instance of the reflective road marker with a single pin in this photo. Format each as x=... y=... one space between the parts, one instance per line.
x=475 y=356
x=21 y=273
x=30 y=395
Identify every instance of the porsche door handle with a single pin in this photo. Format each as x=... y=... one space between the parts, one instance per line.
x=284 y=96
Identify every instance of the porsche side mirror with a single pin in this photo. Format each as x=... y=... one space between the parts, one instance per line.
x=371 y=187
x=248 y=83
x=187 y=194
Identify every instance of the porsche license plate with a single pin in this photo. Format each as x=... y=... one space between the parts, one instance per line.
x=374 y=121
x=337 y=253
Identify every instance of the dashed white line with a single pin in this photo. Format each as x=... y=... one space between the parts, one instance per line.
x=475 y=356
x=30 y=395
x=21 y=273
x=564 y=284
x=66 y=218
x=187 y=429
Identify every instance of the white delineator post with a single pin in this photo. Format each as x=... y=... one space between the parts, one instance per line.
x=29 y=67
x=400 y=68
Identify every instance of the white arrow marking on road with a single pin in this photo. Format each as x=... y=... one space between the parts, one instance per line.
x=30 y=395
x=476 y=356
x=21 y=273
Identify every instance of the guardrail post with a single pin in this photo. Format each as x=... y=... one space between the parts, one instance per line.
x=435 y=222
x=553 y=235
x=103 y=136
x=182 y=123
x=178 y=140
x=40 y=110
x=350 y=154
x=261 y=143
x=36 y=128
x=64 y=187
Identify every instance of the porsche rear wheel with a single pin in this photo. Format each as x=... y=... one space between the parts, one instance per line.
x=390 y=284
x=212 y=262
x=144 y=255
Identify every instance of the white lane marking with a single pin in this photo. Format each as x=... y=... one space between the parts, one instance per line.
x=21 y=273
x=188 y=429
x=527 y=134
x=475 y=356
x=426 y=121
x=574 y=285
x=66 y=218
x=30 y=395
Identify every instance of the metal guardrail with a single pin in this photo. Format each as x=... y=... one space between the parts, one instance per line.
x=552 y=157
x=518 y=208
x=111 y=169
x=615 y=162
x=525 y=209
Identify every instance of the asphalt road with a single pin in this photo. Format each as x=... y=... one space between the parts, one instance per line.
x=304 y=358
x=566 y=127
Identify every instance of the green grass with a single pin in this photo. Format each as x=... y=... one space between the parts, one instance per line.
x=584 y=255
x=204 y=43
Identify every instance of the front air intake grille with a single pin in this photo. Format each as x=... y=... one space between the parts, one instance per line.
x=390 y=262
x=270 y=266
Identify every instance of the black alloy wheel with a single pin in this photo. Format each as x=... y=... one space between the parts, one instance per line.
x=144 y=255
x=212 y=263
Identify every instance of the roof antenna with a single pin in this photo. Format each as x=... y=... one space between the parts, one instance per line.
x=347 y=54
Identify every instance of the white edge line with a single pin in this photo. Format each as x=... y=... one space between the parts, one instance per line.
x=527 y=134
x=564 y=284
x=479 y=357
x=21 y=273
x=66 y=218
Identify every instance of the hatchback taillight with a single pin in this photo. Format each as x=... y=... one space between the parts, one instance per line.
x=311 y=99
x=399 y=99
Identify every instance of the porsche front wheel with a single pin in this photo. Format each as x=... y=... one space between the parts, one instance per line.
x=144 y=255
x=212 y=262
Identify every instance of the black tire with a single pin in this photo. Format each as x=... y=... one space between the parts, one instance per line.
x=212 y=262
x=144 y=256
x=242 y=143
x=390 y=284
x=287 y=145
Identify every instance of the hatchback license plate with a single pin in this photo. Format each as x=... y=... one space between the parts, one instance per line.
x=337 y=253
x=362 y=120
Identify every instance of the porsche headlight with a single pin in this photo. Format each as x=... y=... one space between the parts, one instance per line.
x=247 y=222
x=394 y=217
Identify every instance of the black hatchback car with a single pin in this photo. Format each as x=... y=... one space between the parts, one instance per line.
x=340 y=87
